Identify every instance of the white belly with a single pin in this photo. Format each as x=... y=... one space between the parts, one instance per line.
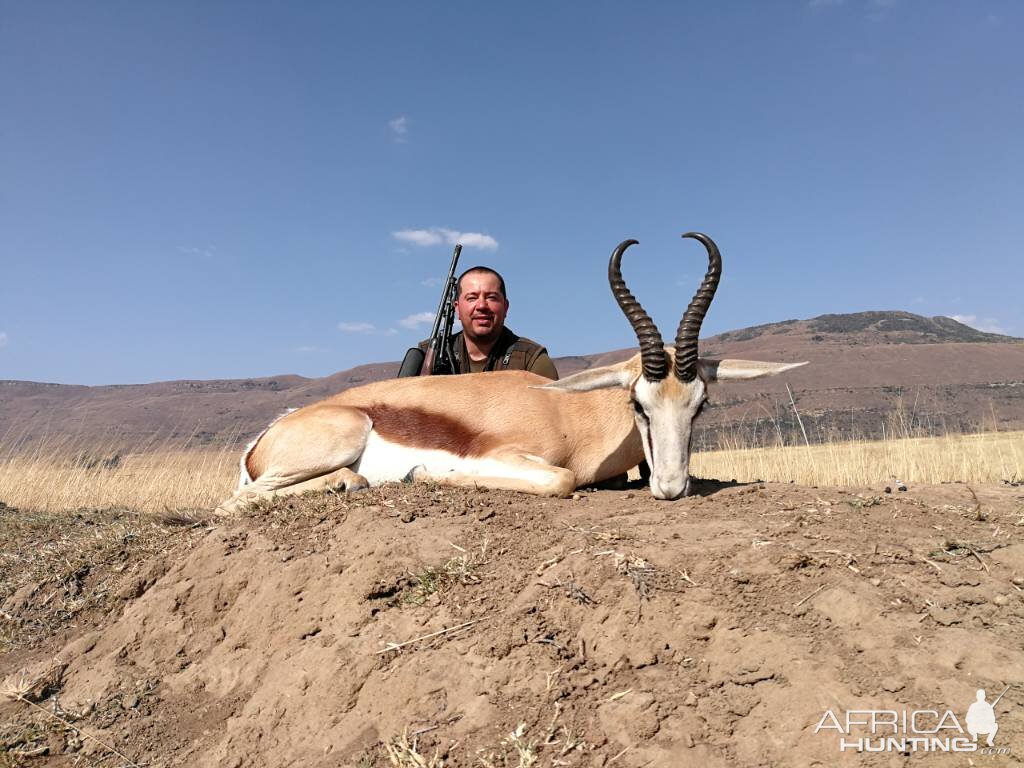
x=384 y=461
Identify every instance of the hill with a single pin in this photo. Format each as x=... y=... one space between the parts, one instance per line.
x=866 y=369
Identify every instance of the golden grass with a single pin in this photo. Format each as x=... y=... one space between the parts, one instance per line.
x=981 y=458
x=58 y=478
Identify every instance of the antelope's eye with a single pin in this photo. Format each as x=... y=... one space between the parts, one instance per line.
x=639 y=409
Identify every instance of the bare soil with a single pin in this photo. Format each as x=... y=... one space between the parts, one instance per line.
x=607 y=629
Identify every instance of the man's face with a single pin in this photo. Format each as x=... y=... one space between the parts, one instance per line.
x=481 y=306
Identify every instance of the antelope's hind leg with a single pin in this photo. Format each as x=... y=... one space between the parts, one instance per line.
x=310 y=449
x=507 y=471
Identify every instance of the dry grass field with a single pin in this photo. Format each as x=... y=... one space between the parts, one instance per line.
x=982 y=458
x=169 y=477
x=59 y=478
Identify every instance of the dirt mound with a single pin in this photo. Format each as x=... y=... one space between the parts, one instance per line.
x=417 y=626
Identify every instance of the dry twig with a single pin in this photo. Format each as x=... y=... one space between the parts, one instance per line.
x=801 y=602
x=396 y=646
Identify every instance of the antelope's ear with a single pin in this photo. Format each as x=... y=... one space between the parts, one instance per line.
x=605 y=377
x=738 y=370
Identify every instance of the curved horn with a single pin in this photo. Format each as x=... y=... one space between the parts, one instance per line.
x=652 y=348
x=689 y=326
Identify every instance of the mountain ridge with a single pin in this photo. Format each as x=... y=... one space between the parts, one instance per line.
x=862 y=366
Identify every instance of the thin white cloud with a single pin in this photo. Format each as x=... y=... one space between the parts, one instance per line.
x=3 y=339
x=399 y=129
x=308 y=349
x=439 y=235
x=412 y=322
x=356 y=327
x=418 y=236
x=203 y=253
x=433 y=282
x=986 y=324
x=472 y=240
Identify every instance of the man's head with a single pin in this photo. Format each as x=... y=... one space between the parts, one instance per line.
x=482 y=303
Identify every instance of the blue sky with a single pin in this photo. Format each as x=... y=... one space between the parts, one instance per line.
x=206 y=190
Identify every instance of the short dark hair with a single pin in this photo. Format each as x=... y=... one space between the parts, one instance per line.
x=501 y=280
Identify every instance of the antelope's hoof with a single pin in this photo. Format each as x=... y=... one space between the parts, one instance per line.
x=414 y=474
x=227 y=509
x=355 y=484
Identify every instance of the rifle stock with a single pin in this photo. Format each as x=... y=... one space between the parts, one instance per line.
x=412 y=363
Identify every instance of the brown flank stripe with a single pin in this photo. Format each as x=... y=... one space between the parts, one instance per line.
x=411 y=426
x=250 y=462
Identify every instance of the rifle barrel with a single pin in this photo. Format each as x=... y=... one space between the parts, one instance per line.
x=445 y=294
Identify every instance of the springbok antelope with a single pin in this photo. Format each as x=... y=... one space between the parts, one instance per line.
x=509 y=430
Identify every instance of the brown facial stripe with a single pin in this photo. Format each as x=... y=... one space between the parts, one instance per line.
x=411 y=426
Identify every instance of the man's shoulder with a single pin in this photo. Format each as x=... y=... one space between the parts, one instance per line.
x=522 y=342
x=530 y=355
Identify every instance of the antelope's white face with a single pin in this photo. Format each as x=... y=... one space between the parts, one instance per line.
x=664 y=412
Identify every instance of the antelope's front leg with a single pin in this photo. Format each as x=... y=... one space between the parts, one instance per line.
x=506 y=471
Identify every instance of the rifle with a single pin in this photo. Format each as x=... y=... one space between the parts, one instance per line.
x=437 y=360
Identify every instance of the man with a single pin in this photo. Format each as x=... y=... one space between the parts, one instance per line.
x=485 y=344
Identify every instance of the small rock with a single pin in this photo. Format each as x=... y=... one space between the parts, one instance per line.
x=643 y=658
x=629 y=495
x=876 y=582
x=407 y=516
x=691 y=699
x=576 y=497
x=485 y=514
x=953 y=579
x=739 y=576
x=1001 y=600
x=131 y=701
x=888 y=489
x=971 y=597
x=892 y=684
x=944 y=616
x=900 y=486
x=1018 y=580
